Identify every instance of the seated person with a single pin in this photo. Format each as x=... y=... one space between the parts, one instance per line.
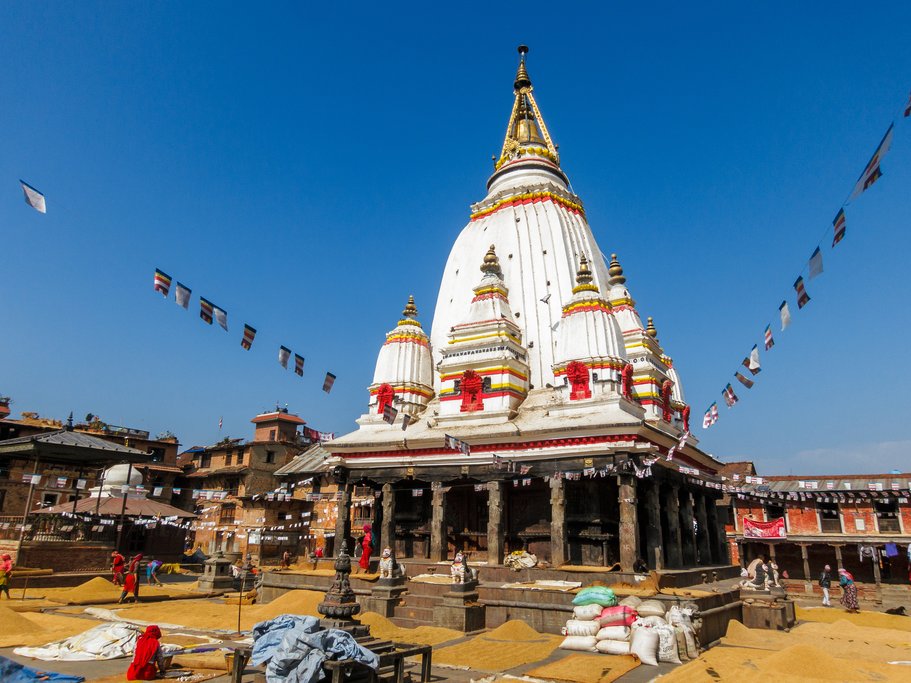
x=148 y=660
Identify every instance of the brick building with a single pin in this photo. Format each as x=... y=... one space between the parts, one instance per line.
x=233 y=486
x=159 y=466
x=859 y=522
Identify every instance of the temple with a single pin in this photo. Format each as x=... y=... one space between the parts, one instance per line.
x=540 y=411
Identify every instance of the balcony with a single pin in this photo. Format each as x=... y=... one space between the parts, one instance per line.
x=888 y=525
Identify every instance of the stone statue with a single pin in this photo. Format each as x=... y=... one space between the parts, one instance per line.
x=389 y=568
x=460 y=571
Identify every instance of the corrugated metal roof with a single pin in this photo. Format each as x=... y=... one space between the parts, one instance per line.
x=311 y=461
x=63 y=437
x=859 y=482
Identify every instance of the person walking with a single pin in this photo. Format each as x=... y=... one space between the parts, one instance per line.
x=6 y=574
x=117 y=567
x=825 y=581
x=152 y=572
x=130 y=585
x=849 y=590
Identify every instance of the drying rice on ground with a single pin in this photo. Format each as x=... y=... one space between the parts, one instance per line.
x=513 y=644
x=210 y=615
x=381 y=627
x=582 y=668
x=791 y=665
x=100 y=591
x=874 y=619
x=34 y=628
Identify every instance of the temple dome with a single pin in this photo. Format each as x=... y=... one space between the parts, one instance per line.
x=404 y=370
x=540 y=230
x=119 y=475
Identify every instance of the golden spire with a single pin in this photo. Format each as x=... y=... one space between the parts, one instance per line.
x=650 y=329
x=616 y=271
x=491 y=263
x=584 y=278
x=411 y=311
x=522 y=79
x=584 y=274
x=526 y=126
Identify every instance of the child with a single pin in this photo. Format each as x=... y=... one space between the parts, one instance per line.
x=6 y=573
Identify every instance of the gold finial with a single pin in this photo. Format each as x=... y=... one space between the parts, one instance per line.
x=411 y=311
x=650 y=329
x=491 y=263
x=522 y=79
x=616 y=271
x=584 y=274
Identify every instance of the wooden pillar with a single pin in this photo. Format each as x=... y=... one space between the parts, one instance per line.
x=878 y=578
x=438 y=545
x=674 y=541
x=806 y=562
x=343 y=519
x=557 y=522
x=687 y=534
x=495 y=536
x=629 y=527
x=387 y=531
x=771 y=552
x=702 y=539
x=653 y=527
x=716 y=532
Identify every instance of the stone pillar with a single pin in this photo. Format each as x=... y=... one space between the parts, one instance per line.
x=495 y=536
x=387 y=531
x=653 y=528
x=687 y=535
x=877 y=577
x=674 y=540
x=343 y=520
x=557 y=522
x=438 y=546
x=702 y=539
x=806 y=566
x=629 y=527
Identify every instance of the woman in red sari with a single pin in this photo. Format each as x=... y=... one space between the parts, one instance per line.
x=367 y=547
x=148 y=660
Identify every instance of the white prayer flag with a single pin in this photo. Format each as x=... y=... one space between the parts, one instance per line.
x=816 y=263
x=872 y=172
x=182 y=295
x=785 y=315
x=221 y=317
x=754 y=360
x=284 y=353
x=33 y=197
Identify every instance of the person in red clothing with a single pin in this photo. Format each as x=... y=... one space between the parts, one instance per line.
x=134 y=564
x=130 y=585
x=117 y=566
x=148 y=659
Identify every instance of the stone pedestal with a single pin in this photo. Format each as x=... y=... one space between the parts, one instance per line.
x=384 y=596
x=460 y=609
x=768 y=609
x=340 y=605
x=216 y=574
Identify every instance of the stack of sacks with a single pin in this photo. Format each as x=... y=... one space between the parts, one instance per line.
x=580 y=631
x=681 y=621
x=614 y=635
x=653 y=640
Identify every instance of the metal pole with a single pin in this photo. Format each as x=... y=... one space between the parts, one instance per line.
x=76 y=490
x=28 y=507
x=240 y=599
x=100 y=486
x=123 y=508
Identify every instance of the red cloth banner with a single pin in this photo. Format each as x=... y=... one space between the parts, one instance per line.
x=755 y=529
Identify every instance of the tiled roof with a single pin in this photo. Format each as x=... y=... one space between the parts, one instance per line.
x=311 y=461
x=63 y=437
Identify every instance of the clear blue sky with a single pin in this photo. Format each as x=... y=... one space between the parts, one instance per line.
x=307 y=167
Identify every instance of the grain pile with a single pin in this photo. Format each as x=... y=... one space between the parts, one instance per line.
x=513 y=644
x=874 y=619
x=580 y=668
x=94 y=590
x=35 y=628
x=381 y=627
x=839 y=651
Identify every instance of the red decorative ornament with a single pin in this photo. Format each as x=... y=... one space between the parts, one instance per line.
x=384 y=396
x=626 y=381
x=685 y=414
x=471 y=387
x=578 y=376
x=666 y=399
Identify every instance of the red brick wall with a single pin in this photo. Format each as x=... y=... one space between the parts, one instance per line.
x=803 y=519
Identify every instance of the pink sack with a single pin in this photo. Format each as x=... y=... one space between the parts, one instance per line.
x=621 y=615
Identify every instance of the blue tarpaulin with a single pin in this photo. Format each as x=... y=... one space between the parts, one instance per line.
x=14 y=672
